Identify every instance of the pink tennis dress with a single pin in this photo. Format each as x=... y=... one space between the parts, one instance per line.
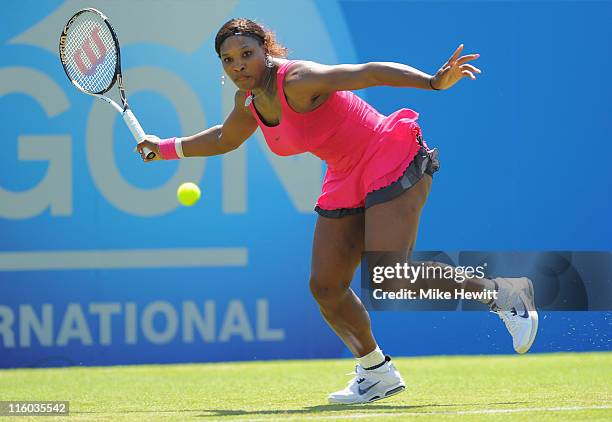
x=365 y=151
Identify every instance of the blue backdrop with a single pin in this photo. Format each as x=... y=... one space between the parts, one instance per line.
x=100 y=265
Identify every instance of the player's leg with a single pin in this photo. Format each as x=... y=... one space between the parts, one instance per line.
x=336 y=253
x=393 y=226
x=337 y=247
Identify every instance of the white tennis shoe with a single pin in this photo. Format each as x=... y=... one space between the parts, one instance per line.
x=371 y=385
x=515 y=306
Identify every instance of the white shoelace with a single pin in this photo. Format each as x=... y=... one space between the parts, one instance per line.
x=511 y=323
x=359 y=374
x=353 y=381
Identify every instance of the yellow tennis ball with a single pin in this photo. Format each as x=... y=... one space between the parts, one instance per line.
x=188 y=194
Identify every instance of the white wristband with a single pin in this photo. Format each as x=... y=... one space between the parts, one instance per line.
x=178 y=146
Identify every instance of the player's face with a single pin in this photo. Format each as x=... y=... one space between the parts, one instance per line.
x=243 y=60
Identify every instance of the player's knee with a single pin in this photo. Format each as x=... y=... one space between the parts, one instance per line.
x=328 y=292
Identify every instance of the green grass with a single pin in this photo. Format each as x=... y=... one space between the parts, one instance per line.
x=439 y=389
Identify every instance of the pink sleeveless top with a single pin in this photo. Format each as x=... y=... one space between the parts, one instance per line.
x=364 y=150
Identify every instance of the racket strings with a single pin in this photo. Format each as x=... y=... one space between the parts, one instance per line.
x=91 y=56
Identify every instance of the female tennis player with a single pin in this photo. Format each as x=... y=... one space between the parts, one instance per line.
x=379 y=176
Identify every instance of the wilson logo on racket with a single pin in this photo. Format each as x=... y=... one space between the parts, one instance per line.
x=87 y=50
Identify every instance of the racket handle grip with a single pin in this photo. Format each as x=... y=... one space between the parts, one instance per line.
x=137 y=132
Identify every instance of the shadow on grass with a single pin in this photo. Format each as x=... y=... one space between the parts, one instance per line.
x=371 y=407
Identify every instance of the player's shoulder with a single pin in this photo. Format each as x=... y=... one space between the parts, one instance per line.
x=299 y=77
x=299 y=69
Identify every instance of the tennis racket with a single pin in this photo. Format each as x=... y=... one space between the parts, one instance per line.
x=89 y=52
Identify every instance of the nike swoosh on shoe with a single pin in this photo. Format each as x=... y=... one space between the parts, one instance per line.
x=365 y=390
x=525 y=313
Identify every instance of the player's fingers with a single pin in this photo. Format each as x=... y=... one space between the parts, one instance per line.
x=471 y=68
x=142 y=145
x=467 y=58
x=455 y=54
x=468 y=74
x=146 y=146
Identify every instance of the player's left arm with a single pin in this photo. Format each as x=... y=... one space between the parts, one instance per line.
x=313 y=77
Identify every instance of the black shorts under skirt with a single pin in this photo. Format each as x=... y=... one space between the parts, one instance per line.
x=426 y=161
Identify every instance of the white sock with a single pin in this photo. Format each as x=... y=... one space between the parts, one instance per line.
x=374 y=358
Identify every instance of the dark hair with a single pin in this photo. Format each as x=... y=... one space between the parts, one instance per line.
x=249 y=28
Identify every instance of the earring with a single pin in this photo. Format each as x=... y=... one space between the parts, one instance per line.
x=269 y=62
x=222 y=79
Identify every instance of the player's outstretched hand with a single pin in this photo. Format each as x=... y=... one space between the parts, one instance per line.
x=454 y=69
x=151 y=142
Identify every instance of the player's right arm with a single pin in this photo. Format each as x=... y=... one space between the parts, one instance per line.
x=216 y=140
